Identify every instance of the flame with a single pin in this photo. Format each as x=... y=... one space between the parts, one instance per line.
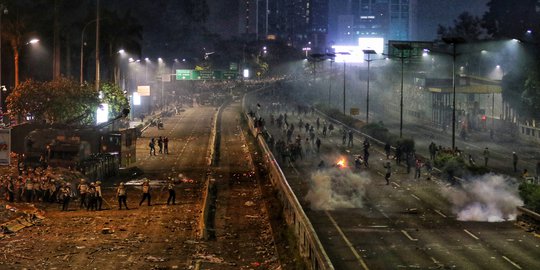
x=341 y=163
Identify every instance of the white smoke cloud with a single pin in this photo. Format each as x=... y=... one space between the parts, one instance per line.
x=336 y=188
x=491 y=198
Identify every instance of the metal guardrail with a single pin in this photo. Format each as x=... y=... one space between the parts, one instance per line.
x=310 y=247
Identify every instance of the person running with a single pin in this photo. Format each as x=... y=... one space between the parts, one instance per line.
x=388 y=168
x=514 y=160
x=166 y=145
x=486 y=156
x=152 y=145
x=418 y=169
x=145 y=192
x=121 y=193
x=387 y=149
x=160 y=144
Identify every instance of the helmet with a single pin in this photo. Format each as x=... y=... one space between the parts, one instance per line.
x=98 y=183
x=121 y=183
x=83 y=180
x=68 y=184
x=92 y=184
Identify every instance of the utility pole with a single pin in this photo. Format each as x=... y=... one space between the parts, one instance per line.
x=97 y=45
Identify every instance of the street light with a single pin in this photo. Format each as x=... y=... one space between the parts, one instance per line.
x=454 y=41
x=402 y=48
x=332 y=60
x=369 y=53
x=344 y=78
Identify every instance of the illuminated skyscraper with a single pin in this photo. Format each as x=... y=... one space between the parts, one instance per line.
x=388 y=19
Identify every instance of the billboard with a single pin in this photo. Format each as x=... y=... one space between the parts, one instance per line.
x=143 y=90
x=5 y=146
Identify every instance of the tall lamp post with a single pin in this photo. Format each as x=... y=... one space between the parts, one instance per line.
x=402 y=56
x=344 y=78
x=454 y=41
x=369 y=53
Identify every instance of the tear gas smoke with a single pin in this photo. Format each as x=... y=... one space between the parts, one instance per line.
x=491 y=198
x=336 y=188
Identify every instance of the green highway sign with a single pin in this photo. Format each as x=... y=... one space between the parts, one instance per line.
x=218 y=74
x=184 y=74
x=229 y=75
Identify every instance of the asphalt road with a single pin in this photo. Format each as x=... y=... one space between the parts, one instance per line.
x=408 y=224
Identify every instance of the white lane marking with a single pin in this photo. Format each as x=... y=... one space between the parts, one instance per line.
x=471 y=234
x=434 y=260
x=408 y=235
x=440 y=213
x=378 y=226
x=511 y=262
x=353 y=250
x=416 y=197
x=396 y=184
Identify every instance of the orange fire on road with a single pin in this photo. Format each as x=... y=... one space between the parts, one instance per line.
x=341 y=163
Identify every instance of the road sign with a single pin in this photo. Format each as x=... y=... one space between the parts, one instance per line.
x=233 y=66
x=206 y=75
x=229 y=75
x=355 y=111
x=218 y=74
x=184 y=74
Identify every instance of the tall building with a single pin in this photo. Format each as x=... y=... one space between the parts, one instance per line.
x=388 y=19
x=299 y=22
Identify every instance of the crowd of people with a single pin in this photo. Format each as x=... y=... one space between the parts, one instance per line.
x=43 y=186
x=40 y=186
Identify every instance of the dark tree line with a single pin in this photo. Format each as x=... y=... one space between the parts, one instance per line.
x=506 y=20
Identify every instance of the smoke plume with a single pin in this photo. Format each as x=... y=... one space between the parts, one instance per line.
x=491 y=198
x=336 y=188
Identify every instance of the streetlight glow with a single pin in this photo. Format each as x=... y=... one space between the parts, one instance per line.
x=33 y=41
x=121 y=51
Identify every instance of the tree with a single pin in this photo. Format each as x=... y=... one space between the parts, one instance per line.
x=507 y=19
x=63 y=100
x=115 y=97
x=15 y=30
x=56 y=101
x=466 y=26
x=531 y=96
x=119 y=32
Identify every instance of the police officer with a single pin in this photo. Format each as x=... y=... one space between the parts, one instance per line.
x=99 y=195
x=122 y=196
x=65 y=194
x=83 y=190
x=91 y=197
x=146 y=192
